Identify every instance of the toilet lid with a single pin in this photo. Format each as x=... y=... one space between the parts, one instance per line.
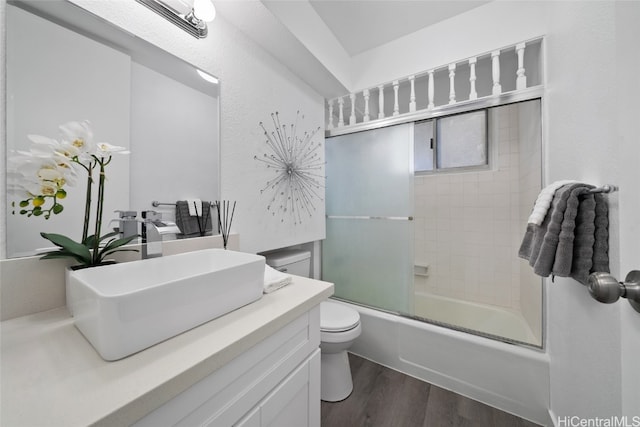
x=337 y=317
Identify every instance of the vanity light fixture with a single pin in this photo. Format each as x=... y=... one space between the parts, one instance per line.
x=207 y=77
x=193 y=20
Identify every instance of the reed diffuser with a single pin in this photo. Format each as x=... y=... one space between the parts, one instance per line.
x=203 y=218
x=225 y=219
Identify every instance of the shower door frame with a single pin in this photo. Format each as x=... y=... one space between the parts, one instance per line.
x=531 y=94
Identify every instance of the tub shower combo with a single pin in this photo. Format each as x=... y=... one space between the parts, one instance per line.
x=426 y=208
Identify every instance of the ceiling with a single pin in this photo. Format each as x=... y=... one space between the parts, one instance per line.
x=317 y=39
x=360 y=25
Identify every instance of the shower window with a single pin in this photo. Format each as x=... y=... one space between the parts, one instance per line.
x=452 y=142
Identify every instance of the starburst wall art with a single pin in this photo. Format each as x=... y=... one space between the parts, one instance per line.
x=297 y=166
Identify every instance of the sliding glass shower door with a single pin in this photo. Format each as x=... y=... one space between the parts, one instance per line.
x=368 y=252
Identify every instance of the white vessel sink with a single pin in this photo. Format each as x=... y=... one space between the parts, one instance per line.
x=124 y=308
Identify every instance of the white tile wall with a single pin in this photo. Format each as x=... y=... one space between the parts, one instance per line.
x=468 y=226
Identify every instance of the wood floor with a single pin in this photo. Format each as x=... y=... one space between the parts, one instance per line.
x=383 y=397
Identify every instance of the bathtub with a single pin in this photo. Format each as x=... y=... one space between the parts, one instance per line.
x=488 y=319
x=509 y=377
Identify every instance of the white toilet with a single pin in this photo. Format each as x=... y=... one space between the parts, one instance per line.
x=339 y=327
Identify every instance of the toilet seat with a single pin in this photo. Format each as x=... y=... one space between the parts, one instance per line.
x=337 y=317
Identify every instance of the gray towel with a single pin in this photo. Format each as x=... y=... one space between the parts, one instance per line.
x=584 y=239
x=542 y=251
x=189 y=224
x=601 y=244
x=591 y=251
x=573 y=238
x=580 y=211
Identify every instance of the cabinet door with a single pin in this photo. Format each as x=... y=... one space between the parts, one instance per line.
x=296 y=401
x=236 y=389
x=252 y=419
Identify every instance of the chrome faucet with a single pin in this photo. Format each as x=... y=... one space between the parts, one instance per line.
x=153 y=227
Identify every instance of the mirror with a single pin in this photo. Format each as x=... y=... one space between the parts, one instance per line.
x=65 y=64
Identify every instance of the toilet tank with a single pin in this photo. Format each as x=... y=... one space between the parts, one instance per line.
x=291 y=261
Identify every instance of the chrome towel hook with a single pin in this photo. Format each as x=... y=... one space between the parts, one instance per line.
x=605 y=288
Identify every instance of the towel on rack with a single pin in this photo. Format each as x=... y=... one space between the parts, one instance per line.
x=572 y=241
x=601 y=244
x=274 y=279
x=190 y=225
x=591 y=249
x=543 y=244
x=195 y=207
x=575 y=227
x=543 y=202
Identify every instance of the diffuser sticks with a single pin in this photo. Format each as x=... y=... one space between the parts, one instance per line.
x=224 y=219
x=202 y=219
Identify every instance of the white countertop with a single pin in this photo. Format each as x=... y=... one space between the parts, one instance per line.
x=52 y=376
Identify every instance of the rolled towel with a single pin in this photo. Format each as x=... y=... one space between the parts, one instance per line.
x=543 y=202
x=274 y=279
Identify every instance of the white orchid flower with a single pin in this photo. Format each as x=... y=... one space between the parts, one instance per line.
x=36 y=169
x=54 y=175
x=47 y=147
x=104 y=148
x=43 y=189
x=68 y=150
x=78 y=136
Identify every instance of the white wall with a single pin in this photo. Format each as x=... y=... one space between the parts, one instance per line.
x=581 y=144
x=254 y=85
x=628 y=129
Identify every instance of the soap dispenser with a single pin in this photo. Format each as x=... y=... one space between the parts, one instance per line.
x=128 y=223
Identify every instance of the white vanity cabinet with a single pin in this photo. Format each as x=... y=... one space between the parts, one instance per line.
x=295 y=402
x=273 y=383
x=258 y=365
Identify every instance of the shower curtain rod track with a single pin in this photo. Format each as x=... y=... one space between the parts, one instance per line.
x=395 y=218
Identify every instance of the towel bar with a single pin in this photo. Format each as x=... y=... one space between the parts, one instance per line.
x=156 y=203
x=604 y=189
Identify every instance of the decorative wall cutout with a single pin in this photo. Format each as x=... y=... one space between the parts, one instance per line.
x=298 y=169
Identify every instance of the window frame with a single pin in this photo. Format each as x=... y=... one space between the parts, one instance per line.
x=473 y=168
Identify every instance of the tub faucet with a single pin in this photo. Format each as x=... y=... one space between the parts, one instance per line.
x=153 y=227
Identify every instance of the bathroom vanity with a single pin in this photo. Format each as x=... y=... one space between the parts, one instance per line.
x=256 y=366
